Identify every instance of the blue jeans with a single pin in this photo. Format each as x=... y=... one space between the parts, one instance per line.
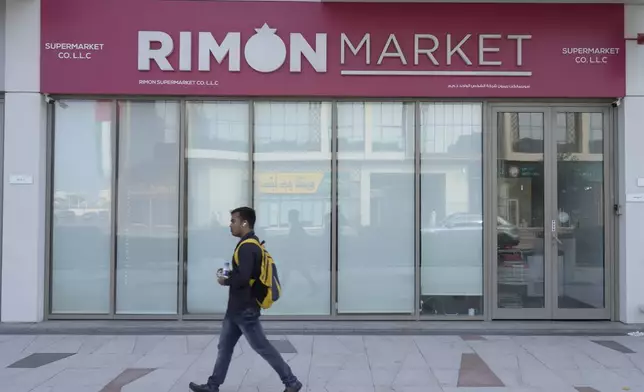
x=247 y=323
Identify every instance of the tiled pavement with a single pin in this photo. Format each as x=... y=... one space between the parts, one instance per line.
x=166 y=363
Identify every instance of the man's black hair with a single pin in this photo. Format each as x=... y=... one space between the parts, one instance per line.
x=247 y=214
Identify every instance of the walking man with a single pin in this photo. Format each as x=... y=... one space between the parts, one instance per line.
x=243 y=312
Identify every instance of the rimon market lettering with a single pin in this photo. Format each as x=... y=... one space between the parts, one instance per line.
x=427 y=44
x=266 y=52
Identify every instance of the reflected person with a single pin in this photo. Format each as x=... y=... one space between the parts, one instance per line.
x=298 y=238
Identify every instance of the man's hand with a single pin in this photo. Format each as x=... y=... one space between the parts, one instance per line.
x=221 y=280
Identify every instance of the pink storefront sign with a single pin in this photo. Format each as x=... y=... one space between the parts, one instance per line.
x=287 y=49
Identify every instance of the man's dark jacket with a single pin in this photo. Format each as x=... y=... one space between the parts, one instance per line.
x=241 y=295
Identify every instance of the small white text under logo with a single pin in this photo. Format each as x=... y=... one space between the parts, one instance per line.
x=179 y=82
x=490 y=85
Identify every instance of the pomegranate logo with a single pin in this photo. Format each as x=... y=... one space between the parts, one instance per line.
x=264 y=51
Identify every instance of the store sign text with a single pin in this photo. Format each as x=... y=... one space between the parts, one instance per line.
x=590 y=55
x=73 y=51
x=266 y=52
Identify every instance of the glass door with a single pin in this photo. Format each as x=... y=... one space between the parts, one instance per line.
x=579 y=218
x=522 y=221
x=551 y=213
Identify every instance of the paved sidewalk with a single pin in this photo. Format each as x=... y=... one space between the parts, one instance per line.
x=166 y=363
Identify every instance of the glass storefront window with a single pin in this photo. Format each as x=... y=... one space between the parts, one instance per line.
x=451 y=209
x=292 y=172
x=286 y=175
x=81 y=211
x=148 y=208
x=376 y=208
x=218 y=181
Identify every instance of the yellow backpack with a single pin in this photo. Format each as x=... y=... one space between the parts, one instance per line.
x=267 y=288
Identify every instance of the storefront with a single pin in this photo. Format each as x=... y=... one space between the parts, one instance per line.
x=406 y=161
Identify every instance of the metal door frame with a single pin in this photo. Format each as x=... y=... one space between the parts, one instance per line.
x=550 y=311
x=2 y=117
x=520 y=313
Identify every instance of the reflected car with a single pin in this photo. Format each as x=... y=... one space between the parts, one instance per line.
x=507 y=233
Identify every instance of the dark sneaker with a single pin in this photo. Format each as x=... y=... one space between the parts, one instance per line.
x=294 y=388
x=202 y=388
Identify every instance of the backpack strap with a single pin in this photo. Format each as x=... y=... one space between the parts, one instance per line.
x=247 y=241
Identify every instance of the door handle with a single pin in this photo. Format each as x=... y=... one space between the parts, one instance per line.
x=553 y=231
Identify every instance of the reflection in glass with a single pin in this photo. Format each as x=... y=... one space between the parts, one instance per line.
x=217 y=172
x=81 y=218
x=293 y=200
x=351 y=126
x=580 y=190
x=148 y=202
x=451 y=209
x=376 y=208
x=520 y=230
x=288 y=127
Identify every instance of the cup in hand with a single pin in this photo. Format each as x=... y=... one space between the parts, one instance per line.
x=224 y=272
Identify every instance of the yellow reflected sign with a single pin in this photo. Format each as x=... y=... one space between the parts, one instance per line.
x=289 y=183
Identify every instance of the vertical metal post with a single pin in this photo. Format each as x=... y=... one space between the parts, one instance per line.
x=251 y=153
x=550 y=208
x=49 y=193
x=617 y=131
x=114 y=204
x=2 y=198
x=417 y=208
x=611 y=259
x=489 y=162
x=182 y=231
x=334 y=209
